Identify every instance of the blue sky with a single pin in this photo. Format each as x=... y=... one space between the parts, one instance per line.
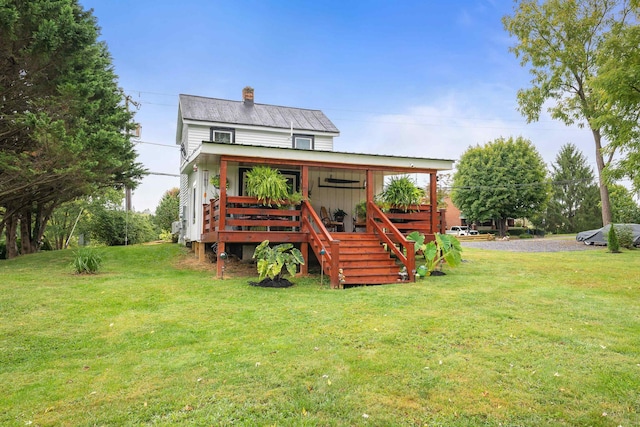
x=419 y=78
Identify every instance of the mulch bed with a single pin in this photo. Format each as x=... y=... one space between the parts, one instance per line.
x=272 y=283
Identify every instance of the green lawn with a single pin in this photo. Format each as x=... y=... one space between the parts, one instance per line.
x=507 y=339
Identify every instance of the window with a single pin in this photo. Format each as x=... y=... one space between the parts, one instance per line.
x=223 y=135
x=303 y=142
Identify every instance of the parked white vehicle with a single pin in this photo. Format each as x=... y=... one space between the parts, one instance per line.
x=458 y=230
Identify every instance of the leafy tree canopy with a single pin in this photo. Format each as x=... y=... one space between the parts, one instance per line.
x=503 y=179
x=168 y=210
x=572 y=48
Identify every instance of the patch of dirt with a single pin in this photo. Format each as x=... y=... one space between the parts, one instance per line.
x=232 y=267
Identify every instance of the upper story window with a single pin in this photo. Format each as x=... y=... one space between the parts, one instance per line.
x=303 y=142
x=223 y=135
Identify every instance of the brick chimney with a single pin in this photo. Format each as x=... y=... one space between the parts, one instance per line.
x=247 y=95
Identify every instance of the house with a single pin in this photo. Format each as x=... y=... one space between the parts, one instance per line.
x=226 y=138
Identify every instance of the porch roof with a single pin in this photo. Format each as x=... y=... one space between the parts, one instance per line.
x=213 y=151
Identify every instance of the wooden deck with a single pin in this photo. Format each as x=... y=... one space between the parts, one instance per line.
x=374 y=256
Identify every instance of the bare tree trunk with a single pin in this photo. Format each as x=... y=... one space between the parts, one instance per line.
x=11 y=224
x=26 y=240
x=501 y=223
x=604 y=190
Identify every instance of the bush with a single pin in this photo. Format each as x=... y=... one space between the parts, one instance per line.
x=625 y=236
x=612 y=240
x=87 y=261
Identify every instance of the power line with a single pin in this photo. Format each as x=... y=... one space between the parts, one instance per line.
x=156 y=143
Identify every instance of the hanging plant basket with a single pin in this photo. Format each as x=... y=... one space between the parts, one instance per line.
x=215 y=181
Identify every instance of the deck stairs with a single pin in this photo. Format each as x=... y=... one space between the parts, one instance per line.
x=364 y=260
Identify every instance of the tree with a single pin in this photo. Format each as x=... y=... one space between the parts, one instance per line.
x=625 y=210
x=504 y=179
x=573 y=206
x=168 y=210
x=563 y=41
x=619 y=82
x=63 y=122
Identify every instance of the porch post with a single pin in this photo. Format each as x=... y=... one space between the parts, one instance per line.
x=369 y=190
x=433 y=197
x=304 y=246
x=223 y=196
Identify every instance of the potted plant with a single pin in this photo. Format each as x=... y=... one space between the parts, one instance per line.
x=268 y=185
x=361 y=211
x=271 y=261
x=338 y=215
x=400 y=193
x=215 y=181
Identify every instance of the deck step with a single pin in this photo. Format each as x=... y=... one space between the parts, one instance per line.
x=364 y=260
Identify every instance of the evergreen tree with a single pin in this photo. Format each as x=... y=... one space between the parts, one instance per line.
x=573 y=206
x=63 y=122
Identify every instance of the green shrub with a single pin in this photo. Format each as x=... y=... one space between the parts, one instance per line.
x=625 y=236
x=87 y=261
x=612 y=240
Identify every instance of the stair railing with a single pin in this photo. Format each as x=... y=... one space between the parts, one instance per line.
x=384 y=228
x=318 y=234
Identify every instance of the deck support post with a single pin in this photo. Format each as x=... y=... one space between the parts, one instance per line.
x=200 y=249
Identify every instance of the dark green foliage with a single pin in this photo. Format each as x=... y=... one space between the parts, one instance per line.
x=612 y=240
x=87 y=261
x=63 y=127
x=505 y=178
x=574 y=204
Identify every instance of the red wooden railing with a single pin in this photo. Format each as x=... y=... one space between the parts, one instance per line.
x=389 y=234
x=320 y=239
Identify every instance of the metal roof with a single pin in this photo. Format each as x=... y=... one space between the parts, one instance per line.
x=237 y=112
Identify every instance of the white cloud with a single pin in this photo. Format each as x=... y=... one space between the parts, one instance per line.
x=445 y=127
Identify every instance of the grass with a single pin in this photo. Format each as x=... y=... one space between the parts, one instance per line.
x=507 y=339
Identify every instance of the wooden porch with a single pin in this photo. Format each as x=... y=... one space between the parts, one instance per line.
x=376 y=255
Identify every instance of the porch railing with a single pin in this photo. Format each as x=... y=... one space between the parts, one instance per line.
x=396 y=242
x=320 y=238
x=246 y=213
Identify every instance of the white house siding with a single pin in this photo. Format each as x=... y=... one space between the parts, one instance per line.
x=196 y=134
x=323 y=143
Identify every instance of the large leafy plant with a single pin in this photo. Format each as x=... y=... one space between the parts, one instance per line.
x=268 y=185
x=400 y=193
x=444 y=249
x=271 y=260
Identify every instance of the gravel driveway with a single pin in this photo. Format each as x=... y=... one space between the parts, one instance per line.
x=547 y=244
